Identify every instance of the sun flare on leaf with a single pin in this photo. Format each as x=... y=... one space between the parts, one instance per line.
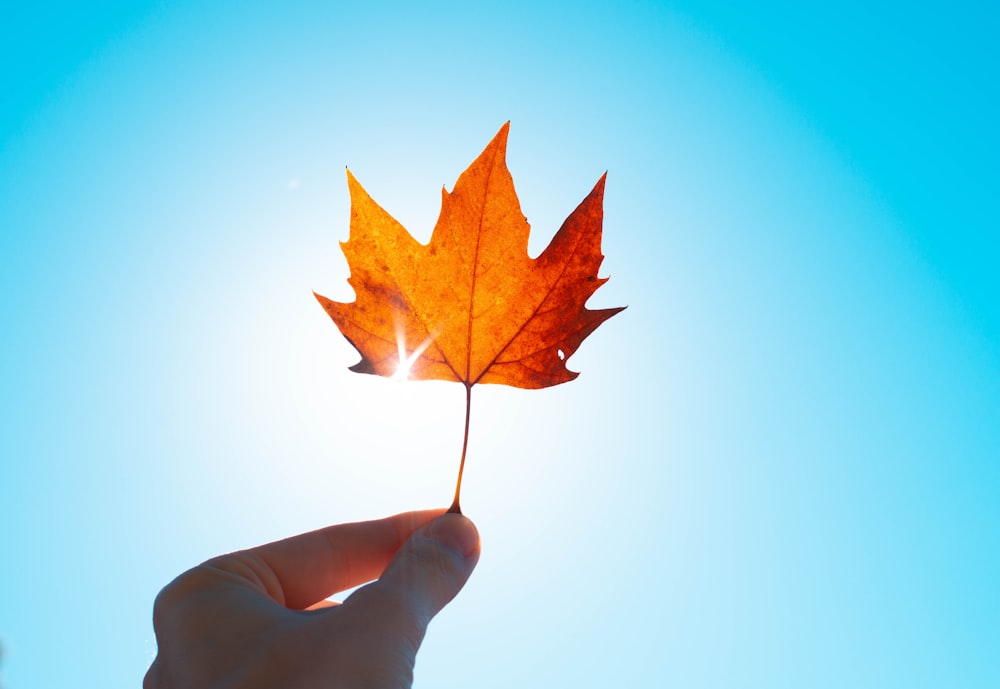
x=406 y=361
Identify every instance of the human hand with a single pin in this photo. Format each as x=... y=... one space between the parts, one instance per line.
x=259 y=618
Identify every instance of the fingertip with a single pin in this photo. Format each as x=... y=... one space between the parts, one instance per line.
x=455 y=531
x=433 y=565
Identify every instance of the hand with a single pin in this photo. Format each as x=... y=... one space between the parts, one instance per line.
x=259 y=618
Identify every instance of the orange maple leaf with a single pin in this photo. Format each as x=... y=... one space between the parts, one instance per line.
x=471 y=306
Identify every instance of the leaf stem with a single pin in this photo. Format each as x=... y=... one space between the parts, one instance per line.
x=455 y=507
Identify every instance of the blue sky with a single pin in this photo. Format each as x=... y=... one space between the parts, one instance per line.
x=778 y=468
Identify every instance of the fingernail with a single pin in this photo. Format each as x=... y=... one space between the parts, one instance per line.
x=456 y=532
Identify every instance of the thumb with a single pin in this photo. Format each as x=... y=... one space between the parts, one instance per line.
x=424 y=575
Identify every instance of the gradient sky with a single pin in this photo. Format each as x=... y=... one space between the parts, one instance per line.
x=780 y=467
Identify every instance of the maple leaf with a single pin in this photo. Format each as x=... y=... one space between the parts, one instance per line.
x=471 y=306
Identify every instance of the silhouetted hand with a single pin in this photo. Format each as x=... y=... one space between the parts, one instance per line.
x=259 y=619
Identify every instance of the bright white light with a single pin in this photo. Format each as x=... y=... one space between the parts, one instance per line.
x=406 y=361
x=402 y=373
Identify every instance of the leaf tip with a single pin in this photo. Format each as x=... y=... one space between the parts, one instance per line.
x=599 y=187
x=363 y=366
x=501 y=137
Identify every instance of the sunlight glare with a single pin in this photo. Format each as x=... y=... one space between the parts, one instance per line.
x=402 y=373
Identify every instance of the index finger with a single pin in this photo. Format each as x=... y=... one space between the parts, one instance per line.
x=302 y=570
